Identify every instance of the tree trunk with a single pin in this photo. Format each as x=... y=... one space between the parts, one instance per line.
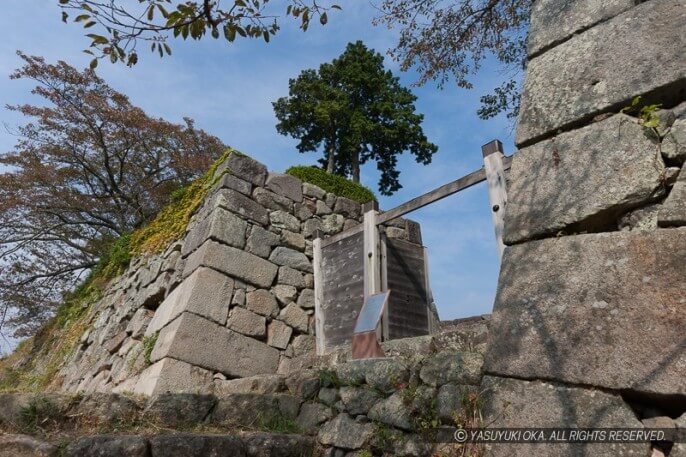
x=330 y=159
x=356 y=167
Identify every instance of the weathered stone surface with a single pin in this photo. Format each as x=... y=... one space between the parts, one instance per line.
x=312 y=415
x=359 y=400
x=263 y=384
x=169 y=375
x=310 y=226
x=272 y=201
x=303 y=384
x=313 y=191
x=452 y=367
x=348 y=208
x=278 y=334
x=392 y=411
x=553 y=21
x=673 y=210
x=174 y=409
x=234 y=262
x=294 y=316
x=191 y=445
x=113 y=344
x=515 y=403
x=278 y=445
x=322 y=209
x=291 y=277
x=578 y=79
x=262 y=302
x=254 y=409
x=139 y=322
x=289 y=258
x=261 y=241
x=106 y=409
x=306 y=299
x=229 y=181
x=286 y=185
x=25 y=446
x=108 y=446
x=642 y=219
x=247 y=322
x=346 y=433
x=205 y=292
x=601 y=309
x=470 y=334
x=332 y=224
x=239 y=204
x=587 y=176
x=285 y=294
x=385 y=374
x=674 y=144
x=201 y=342
x=293 y=240
x=328 y=395
x=245 y=168
x=450 y=401
x=284 y=220
x=220 y=225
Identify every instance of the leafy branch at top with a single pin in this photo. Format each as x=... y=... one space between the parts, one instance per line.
x=155 y=21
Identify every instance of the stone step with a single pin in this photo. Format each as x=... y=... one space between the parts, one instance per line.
x=253 y=444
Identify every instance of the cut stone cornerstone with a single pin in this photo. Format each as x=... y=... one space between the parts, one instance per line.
x=606 y=310
x=593 y=72
x=203 y=343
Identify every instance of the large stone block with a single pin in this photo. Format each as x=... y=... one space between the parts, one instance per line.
x=203 y=343
x=286 y=257
x=220 y=225
x=25 y=446
x=593 y=72
x=192 y=445
x=234 y=262
x=586 y=176
x=245 y=168
x=605 y=310
x=673 y=210
x=512 y=403
x=205 y=292
x=169 y=375
x=286 y=185
x=239 y=204
x=553 y=21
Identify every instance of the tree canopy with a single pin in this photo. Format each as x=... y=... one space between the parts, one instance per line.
x=358 y=112
x=89 y=167
x=445 y=40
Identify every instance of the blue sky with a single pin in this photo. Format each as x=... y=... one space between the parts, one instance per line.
x=228 y=90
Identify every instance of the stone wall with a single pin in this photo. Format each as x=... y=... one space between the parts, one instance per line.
x=234 y=298
x=588 y=326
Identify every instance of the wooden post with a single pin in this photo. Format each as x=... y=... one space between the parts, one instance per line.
x=497 y=192
x=383 y=262
x=372 y=264
x=318 y=293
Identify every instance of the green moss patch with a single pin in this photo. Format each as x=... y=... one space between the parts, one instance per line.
x=332 y=183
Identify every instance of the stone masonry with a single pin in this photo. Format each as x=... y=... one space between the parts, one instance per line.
x=233 y=299
x=589 y=323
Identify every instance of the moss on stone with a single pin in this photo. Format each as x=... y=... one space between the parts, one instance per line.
x=335 y=184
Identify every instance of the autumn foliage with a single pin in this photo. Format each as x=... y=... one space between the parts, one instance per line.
x=88 y=168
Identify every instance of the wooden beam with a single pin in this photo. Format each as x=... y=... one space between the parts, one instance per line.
x=437 y=194
x=495 y=175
